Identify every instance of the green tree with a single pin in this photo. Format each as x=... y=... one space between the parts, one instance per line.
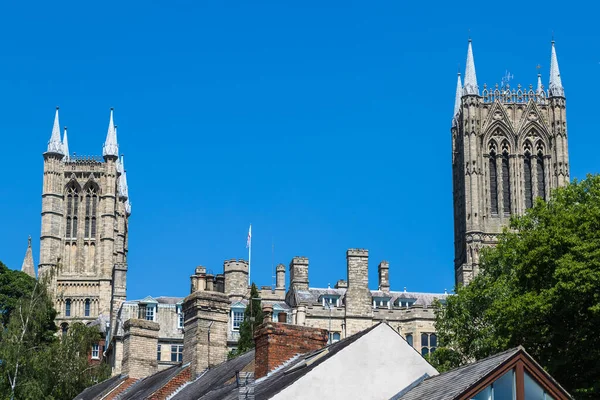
x=14 y=285
x=35 y=362
x=540 y=288
x=253 y=317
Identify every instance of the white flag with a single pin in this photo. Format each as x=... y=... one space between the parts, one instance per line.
x=249 y=241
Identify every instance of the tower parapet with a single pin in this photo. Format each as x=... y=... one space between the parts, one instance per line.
x=236 y=278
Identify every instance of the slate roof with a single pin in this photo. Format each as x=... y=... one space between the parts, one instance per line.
x=143 y=388
x=101 y=388
x=312 y=295
x=450 y=384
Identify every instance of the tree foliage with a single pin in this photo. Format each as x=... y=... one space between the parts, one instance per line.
x=539 y=288
x=35 y=363
x=253 y=317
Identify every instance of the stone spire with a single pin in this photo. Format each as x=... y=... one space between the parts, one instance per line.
x=555 y=87
x=55 y=144
x=470 y=76
x=27 y=266
x=540 y=87
x=65 y=143
x=457 y=100
x=111 y=147
x=123 y=190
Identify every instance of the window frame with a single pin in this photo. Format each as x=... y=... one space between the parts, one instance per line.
x=95 y=349
x=177 y=353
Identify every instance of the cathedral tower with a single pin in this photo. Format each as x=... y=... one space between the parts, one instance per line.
x=85 y=211
x=509 y=146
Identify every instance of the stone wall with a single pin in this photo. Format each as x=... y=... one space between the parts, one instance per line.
x=359 y=309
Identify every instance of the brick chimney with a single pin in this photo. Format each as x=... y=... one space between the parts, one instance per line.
x=277 y=343
x=140 y=342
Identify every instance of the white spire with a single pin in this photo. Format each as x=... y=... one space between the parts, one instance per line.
x=555 y=87
x=540 y=87
x=457 y=100
x=122 y=187
x=65 y=145
x=111 y=147
x=55 y=145
x=470 y=76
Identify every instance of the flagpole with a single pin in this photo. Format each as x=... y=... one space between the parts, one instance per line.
x=249 y=252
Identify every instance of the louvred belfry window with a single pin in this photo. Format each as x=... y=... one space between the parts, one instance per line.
x=493 y=183
x=72 y=209
x=505 y=183
x=528 y=181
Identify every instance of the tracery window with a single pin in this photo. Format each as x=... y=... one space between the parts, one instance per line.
x=541 y=176
x=505 y=180
x=428 y=343
x=528 y=176
x=72 y=210
x=493 y=180
x=91 y=205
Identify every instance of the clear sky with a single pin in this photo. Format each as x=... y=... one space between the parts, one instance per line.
x=324 y=124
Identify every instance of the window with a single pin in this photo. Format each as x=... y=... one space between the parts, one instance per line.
x=541 y=180
x=179 y=317
x=238 y=318
x=87 y=308
x=64 y=327
x=505 y=183
x=177 y=353
x=334 y=337
x=409 y=339
x=329 y=301
x=428 y=343
x=381 y=302
x=158 y=352
x=502 y=388
x=405 y=302
x=528 y=181
x=493 y=183
x=91 y=201
x=68 y=308
x=150 y=312
x=72 y=209
x=533 y=390
x=95 y=351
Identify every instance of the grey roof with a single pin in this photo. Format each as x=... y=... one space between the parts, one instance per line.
x=168 y=300
x=312 y=295
x=100 y=389
x=215 y=383
x=450 y=384
x=143 y=388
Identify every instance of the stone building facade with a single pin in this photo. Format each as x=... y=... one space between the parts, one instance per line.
x=83 y=244
x=509 y=146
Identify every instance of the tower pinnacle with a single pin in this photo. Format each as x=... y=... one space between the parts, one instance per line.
x=55 y=144
x=27 y=266
x=123 y=190
x=111 y=147
x=457 y=99
x=470 y=76
x=540 y=87
x=65 y=143
x=555 y=88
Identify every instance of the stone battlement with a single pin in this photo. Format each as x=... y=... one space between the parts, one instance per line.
x=506 y=95
x=234 y=263
x=75 y=159
x=298 y=260
x=357 y=253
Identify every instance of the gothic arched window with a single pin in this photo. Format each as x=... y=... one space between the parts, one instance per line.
x=505 y=180
x=87 y=308
x=493 y=180
x=541 y=176
x=72 y=209
x=528 y=176
x=91 y=205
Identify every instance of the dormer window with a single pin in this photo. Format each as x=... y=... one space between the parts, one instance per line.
x=381 y=302
x=405 y=303
x=150 y=312
x=330 y=301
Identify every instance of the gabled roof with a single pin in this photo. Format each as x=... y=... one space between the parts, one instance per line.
x=466 y=381
x=148 y=300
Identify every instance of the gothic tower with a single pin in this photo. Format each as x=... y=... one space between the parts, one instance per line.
x=509 y=146
x=85 y=212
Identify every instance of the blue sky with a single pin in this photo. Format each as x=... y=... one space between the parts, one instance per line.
x=324 y=124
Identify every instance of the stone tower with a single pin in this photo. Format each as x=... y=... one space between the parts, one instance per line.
x=85 y=211
x=509 y=146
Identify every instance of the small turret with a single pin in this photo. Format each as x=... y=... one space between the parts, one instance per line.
x=280 y=277
x=65 y=145
x=236 y=278
x=111 y=146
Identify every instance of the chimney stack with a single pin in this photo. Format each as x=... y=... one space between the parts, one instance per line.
x=140 y=342
x=277 y=343
x=359 y=308
x=384 y=276
x=299 y=273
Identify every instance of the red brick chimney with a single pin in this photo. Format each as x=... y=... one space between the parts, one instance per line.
x=277 y=343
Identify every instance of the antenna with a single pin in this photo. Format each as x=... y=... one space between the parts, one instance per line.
x=272 y=264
